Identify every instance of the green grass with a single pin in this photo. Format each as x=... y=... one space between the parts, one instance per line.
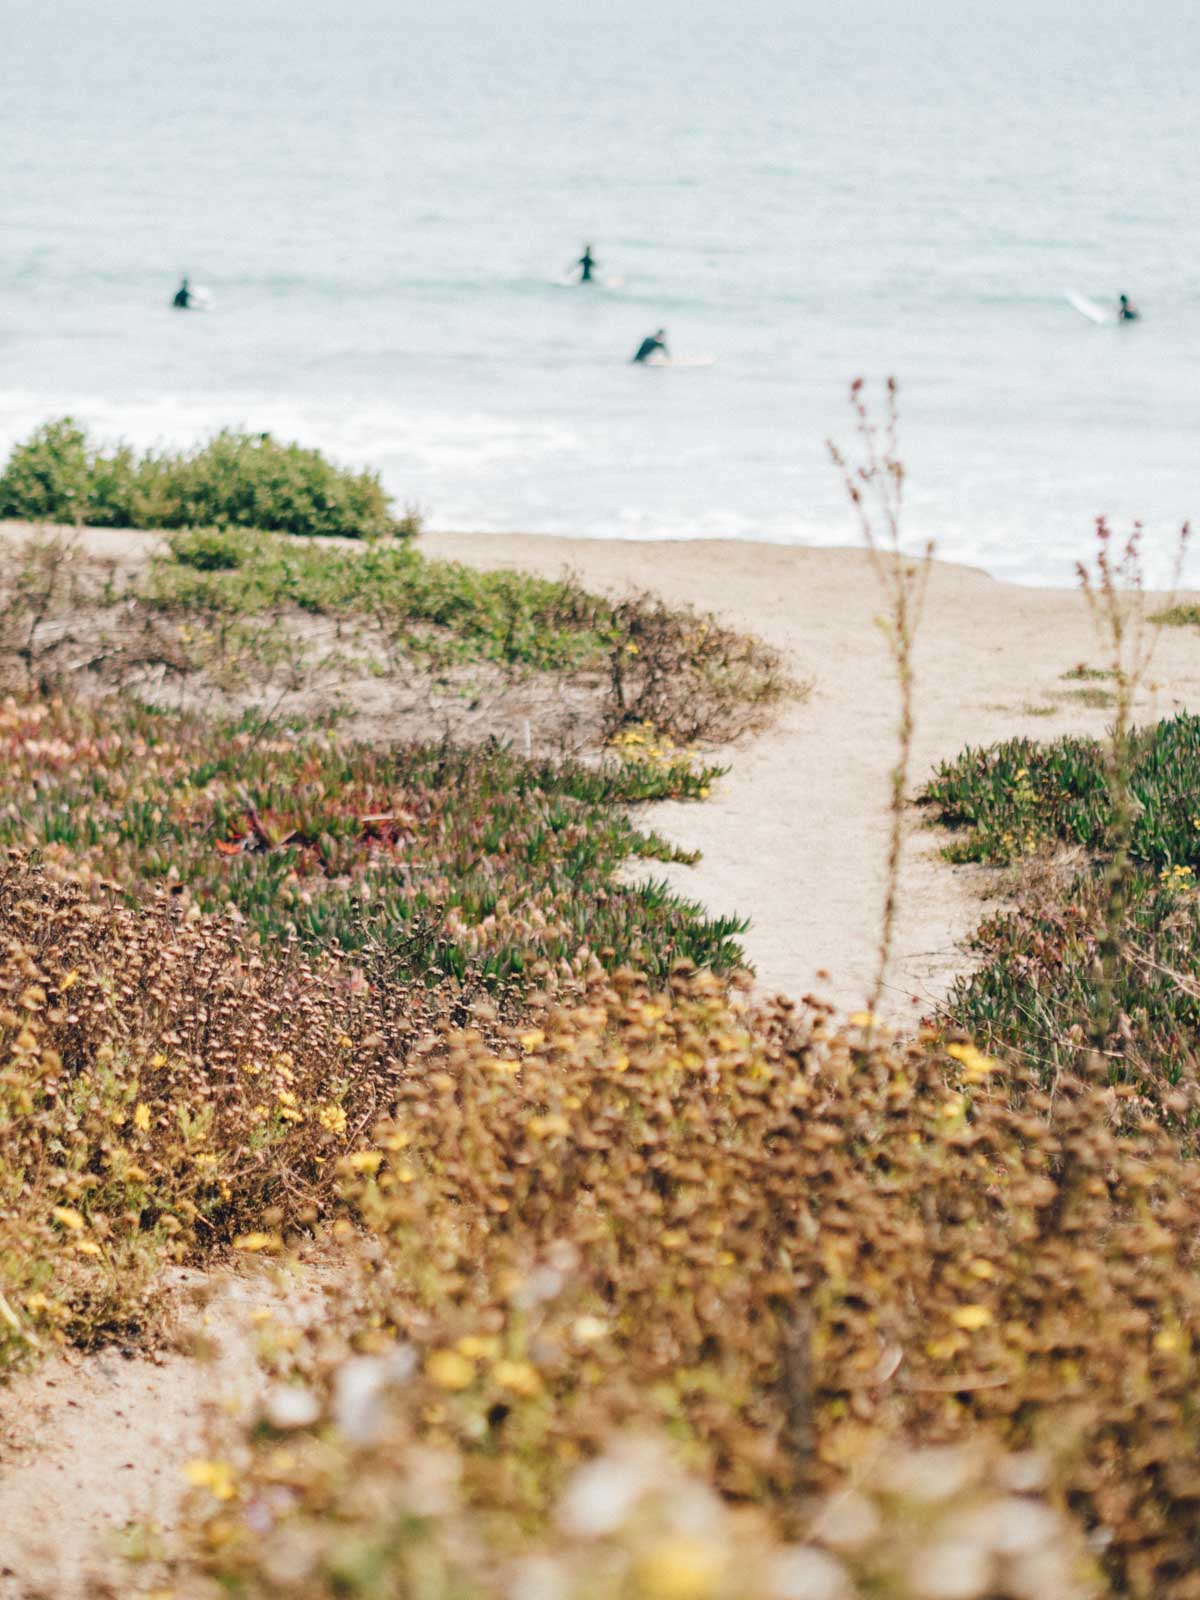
x=472 y=864
x=239 y=480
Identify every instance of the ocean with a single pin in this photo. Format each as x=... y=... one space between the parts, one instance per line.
x=383 y=198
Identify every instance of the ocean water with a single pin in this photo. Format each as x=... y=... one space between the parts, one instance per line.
x=383 y=196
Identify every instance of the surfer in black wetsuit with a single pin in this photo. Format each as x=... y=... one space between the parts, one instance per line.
x=586 y=265
x=1128 y=312
x=650 y=346
x=183 y=297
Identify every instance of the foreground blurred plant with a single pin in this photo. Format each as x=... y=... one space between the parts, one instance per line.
x=1116 y=597
x=611 y=1214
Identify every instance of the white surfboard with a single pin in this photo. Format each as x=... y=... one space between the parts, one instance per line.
x=1091 y=309
x=660 y=360
x=572 y=280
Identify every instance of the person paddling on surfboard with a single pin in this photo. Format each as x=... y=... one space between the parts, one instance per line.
x=586 y=265
x=1128 y=312
x=183 y=297
x=651 y=346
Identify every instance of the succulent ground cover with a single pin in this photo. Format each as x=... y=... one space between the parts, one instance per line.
x=1036 y=988
x=472 y=864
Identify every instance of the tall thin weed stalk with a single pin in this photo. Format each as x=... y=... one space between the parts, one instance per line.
x=1115 y=591
x=875 y=485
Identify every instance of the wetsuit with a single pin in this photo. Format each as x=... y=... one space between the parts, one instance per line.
x=647 y=348
x=183 y=298
x=586 y=262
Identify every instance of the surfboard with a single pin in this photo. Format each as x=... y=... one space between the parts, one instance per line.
x=1091 y=309
x=572 y=280
x=659 y=360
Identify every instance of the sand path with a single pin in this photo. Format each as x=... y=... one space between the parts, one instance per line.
x=795 y=836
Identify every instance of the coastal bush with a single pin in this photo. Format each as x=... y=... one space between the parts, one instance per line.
x=473 y=864
x=689 y=675
x=236 y=480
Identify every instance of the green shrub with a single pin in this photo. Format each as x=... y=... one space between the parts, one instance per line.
x=48 y=478
x=236 y=480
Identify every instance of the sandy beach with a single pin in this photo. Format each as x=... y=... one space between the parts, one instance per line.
x=795 y=836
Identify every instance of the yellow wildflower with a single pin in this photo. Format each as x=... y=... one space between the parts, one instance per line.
x=544 y=1127
x=258 y=1241
x=449 y=1369
x=972 y=1318
x=141 y=1117
x=69 y=1218
x=519 y=1376
x=364 y=1161
x=332 y=1118
x=215 y=1476
x=680 y=1567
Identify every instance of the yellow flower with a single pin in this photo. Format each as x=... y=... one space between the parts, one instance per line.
x=532 y=1039
x=136 y=1175
x=69 y=1218
x=680 y=1568
x=972 y=1318
x=364 y=1161
x=332 y=1118
x=68 y=981
x=544 y=1127
x=448 y=1369
x=478 y=1347
x=88 y=1247
x=215 y=1476
x=519 y=1376
x=863 y=1019
x=258 y=1241
x=977 y=1065
x=141 y=1117
x=158 y=1062
x=1167 y=1341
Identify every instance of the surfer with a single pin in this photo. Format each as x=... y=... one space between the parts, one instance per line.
x=652 y=345
x=586 y=264
x=183 y=297
x=1128 y=312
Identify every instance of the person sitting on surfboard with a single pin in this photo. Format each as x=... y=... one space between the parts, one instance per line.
x=183 y=297
x=1128 y=312
x=586 y=264
x=650 y=346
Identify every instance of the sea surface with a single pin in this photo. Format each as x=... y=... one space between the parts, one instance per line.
x=383 y=198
